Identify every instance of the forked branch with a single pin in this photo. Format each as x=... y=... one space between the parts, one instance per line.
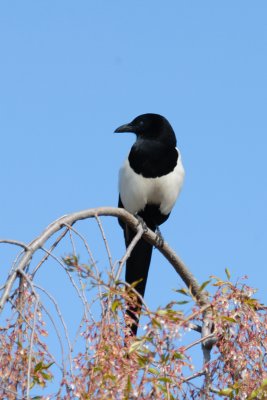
x=126 y=217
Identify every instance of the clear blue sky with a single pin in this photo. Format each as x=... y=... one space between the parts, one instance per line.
x=71 y=72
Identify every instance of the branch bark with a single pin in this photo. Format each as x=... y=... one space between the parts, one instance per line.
x=126 y=217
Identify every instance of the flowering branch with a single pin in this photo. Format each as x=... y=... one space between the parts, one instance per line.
x=101 y=361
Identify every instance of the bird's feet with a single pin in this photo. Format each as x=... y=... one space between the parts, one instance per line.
x=141 y=222
x=159 y=237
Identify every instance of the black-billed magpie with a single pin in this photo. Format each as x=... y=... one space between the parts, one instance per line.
x=149 y=183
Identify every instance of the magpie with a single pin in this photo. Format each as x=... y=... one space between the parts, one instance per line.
x=150 y=181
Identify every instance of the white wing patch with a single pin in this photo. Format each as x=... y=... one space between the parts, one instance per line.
x=136 y=191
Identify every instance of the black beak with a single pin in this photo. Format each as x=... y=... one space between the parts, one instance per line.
x=125 y=128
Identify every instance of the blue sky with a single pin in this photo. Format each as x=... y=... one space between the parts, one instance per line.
x=71 y=72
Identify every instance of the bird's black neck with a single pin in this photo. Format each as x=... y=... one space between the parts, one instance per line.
x=152 y=158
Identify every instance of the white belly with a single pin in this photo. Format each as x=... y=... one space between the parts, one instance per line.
x=136 y=191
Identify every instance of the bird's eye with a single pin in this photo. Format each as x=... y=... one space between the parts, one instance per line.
x=141 y=123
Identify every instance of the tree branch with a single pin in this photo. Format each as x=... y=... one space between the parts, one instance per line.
x=127 y=218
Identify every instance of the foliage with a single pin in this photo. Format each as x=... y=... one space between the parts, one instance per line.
x=104 y=361
x=153 y=365
x=25 y=358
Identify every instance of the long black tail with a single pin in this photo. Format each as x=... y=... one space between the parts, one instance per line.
x=137 y=267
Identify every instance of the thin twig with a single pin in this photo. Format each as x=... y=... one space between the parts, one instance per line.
x=69 y=275
x=70 y=227
x=201 y=340
x=93 y=262
x=72 y=243
x=32 y=286
x=105 y=241
x=31 y=346
x=129 y=249
x=30 y=327
x=54 y=245
x=196 y=375
x=15 y=242
x=63 y=324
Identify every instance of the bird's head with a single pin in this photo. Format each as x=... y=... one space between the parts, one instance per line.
x=152 y=127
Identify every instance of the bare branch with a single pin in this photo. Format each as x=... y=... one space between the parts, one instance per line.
x=130 y=248
x=201 y=340
x=105 y=241
x=14 y=242
x=127 y=218
x=54 y=245
x=194 y=376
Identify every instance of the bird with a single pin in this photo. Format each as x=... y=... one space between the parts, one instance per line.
x=150 y=181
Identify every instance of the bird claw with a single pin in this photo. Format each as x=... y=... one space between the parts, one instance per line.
x=141 y=222
x=159 y=237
